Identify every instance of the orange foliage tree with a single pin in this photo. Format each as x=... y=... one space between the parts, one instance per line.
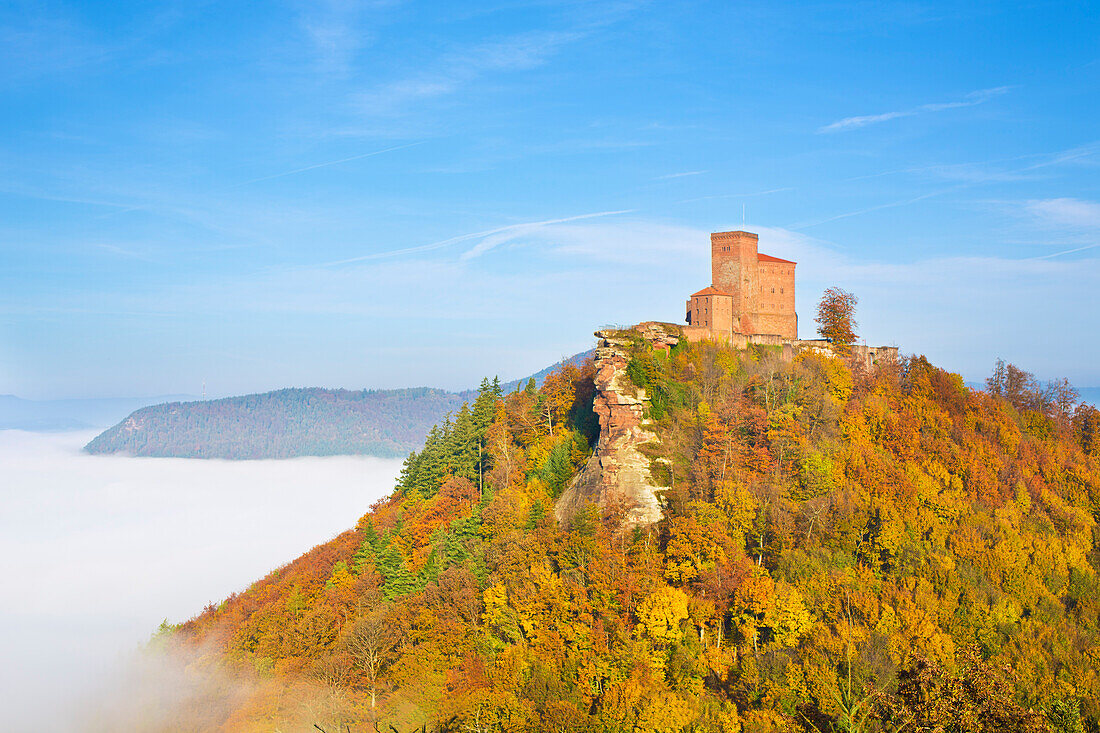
x=836 y=317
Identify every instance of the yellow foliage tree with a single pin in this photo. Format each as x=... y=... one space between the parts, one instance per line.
x=739 y=507
x=665 y=712
x=661 y=614
x=788 y=617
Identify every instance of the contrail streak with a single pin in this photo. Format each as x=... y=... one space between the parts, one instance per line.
x=465 y=237
x=328 y=163
x=1066 y=252
x=735 y=195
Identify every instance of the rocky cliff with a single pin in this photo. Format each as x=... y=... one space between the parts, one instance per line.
x=618 y=473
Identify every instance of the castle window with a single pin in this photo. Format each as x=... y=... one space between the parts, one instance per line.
x=780 y=291
x=773 y=290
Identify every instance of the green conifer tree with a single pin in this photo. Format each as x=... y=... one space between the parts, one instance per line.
x=397 y=581
x=367 y=549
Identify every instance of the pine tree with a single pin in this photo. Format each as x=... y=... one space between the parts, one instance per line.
x=559 y=468
x=367 y=549
x=538 y=511
x=485 y=406
x=407 y=478
x=397 y=581
x=453 y=551
x=463 y=445
x=430 y=572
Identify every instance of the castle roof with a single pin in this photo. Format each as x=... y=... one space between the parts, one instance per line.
x=710 y=290
x=761 y=257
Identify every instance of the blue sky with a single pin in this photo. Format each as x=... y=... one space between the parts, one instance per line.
x=386 y=194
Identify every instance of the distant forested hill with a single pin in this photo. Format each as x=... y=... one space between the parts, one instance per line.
x=283 y=424
x=291 y=422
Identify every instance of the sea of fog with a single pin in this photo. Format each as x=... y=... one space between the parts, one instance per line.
x=96 y=550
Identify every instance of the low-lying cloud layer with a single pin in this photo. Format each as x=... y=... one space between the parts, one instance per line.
x=97 y=550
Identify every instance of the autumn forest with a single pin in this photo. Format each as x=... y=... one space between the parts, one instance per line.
x=842 y=549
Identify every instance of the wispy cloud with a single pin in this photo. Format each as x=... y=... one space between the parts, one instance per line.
x=633 y=243
x=40 y=42
x=1080 y=219
x=970 y=100
x=456 y=70
x=337 y=32
x=1066 y=212
x=1061 y=211
x=460 y=68
x=981 y=171
x=25 y=191
x=1068 y=251
x=125 y=252
x=526 y=226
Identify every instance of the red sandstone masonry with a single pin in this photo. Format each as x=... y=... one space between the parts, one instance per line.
x=750 y=292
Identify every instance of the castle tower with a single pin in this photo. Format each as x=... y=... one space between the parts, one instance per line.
x=750 y=292
x=734 y=270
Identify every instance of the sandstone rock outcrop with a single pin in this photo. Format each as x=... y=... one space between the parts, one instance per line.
x=618 y=473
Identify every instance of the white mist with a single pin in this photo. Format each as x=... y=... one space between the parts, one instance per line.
x=96 y=550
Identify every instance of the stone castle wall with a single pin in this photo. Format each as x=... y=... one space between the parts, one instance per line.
x=775 y=310
x=868 y=355
x=714 y=312
x=734 y=268
x=749 y=292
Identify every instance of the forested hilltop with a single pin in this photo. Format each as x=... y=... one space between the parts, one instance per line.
x=841 y=549
x=288 y=423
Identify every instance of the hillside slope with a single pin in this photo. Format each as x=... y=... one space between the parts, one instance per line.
x=840 y=550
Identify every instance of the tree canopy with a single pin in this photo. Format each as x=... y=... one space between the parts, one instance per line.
x=836 y=317
x=862 y=551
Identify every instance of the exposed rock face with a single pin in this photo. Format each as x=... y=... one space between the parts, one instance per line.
x=660 y=335
x=617 y=473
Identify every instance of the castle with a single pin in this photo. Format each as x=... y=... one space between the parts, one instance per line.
x=750 y=292
x=749 y=303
